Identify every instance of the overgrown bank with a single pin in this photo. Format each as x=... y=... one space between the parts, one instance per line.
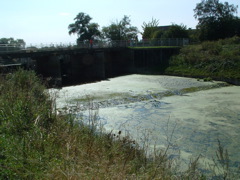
x=218 y=60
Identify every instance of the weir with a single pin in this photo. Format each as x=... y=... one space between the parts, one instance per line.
x=76 y=66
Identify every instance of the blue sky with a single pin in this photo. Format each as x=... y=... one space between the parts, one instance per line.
x=46 y=21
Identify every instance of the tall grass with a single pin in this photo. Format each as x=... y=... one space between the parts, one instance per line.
x=36 y=143
x=216 y=59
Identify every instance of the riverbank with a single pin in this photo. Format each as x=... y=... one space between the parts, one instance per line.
x=219 y=60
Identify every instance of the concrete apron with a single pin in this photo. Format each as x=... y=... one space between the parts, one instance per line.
x=191 y=123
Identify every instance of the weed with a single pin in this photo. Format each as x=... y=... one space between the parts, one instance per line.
x=207 y=79
x=215 y=59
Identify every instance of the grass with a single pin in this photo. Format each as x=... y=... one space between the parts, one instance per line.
x=36 y=143
x=217 y=60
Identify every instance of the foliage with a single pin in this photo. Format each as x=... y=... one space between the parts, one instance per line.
x=176 y=31
x=155 y=32
x=151 y=32
x=122 y=30
x=215 y=59
x=152 y=23
x=214 y=17
x=12 y=41
x=193 y=35
x=25 y=115
x=150 y=29
x=83 y=28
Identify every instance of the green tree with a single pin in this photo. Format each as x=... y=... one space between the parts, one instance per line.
x=176 y=31
x=157 y=34
x=151 y=30
x=12 y=41
x=216 y=20
x=193 y=35
x=83 y=28
x=122 y=30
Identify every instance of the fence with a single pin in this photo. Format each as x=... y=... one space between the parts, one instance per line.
x=161 y=42
x=97 y=44
x=10 y=47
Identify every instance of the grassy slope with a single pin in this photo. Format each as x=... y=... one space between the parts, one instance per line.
x=218 y=60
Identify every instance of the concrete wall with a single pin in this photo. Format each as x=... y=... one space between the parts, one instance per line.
x=87 y=67
x=50 y=69
x=117 y=62
x=94 y=65
x=154 y=60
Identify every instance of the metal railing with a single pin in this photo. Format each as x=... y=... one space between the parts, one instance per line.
x=96 y=44
x=161 y=42
x=10 y=47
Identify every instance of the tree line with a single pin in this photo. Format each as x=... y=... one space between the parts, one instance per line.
x=13 y=42
x=216 y=20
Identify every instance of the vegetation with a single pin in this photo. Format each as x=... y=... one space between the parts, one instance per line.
x=12 y=41
x=153 y=47
x=149 y=29
x=122 y=30
x=216 y=20
x=176 y=31
x=216 y=59
x=155 y=32
x=213 y=17
x=83 y=28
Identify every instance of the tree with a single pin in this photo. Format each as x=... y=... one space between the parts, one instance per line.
x=151 y=30
x=176 y=31
x=122 y=30
x=157 y=34
x=12 y=41
x=83 y=28
x=216 y=20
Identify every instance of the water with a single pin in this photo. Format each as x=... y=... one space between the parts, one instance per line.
x=193 y=123
x=154 y=109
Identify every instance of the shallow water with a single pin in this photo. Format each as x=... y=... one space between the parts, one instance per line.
x=197 y=120
x=143 y=108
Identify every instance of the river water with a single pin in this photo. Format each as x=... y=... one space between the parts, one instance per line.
x=190 y=114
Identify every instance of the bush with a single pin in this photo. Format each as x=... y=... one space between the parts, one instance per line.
x=213 y=48
x=219 y=59
x=25 y=113
x=23 y=103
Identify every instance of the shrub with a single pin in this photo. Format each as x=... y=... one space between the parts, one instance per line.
x=211 y=58
x=213 y=48
x=26 y=114
x=23 y=103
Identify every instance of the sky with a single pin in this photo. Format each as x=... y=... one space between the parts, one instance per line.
x=46 y=21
